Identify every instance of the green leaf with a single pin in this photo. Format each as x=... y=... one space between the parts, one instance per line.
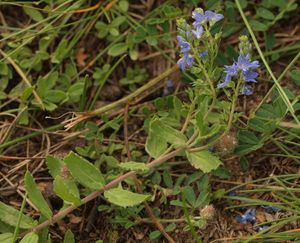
x=154 y=235
x=117 y=49
x=10 y=216
x=102 y=28
x=203 y=160
x=36 y=196
x=84 y=172
x=33 y=13
x=135 y=166
x=168 y=133
x=248 y=142
x=54 y=165
x=60 y=51
x=55 y=96
x=6 y=238
x=265 y=13
x=123 y=4
x=258 y=26
x=67 y=190
x=124 y=198
x=118 y=21
x=155 y=146
x=295 y=75
x=69 y=237
x=75 y=91
x=31 y=237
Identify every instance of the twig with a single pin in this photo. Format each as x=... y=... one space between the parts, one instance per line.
x=96 y=194
x=126 y=140
x=86 y=115
x=159 y=226
x=154 y=220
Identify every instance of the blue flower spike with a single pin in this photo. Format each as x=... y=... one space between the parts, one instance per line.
x=190 y=37
x=248 y=217
x=243 y=68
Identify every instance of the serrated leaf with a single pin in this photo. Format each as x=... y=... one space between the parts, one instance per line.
x=67 y=190
x=36 y=196
x=261 y=125
x=155 y=146
x=84 y=172
x=135 y=166
x=10 y=215
x=169 y=134
x=203 y=160
x=117 y=49
x=6 y=237
x=124 y=198
x=31 y=237
x=247 y=137
x=69 y=237
x=244 y=149
x=54 y=165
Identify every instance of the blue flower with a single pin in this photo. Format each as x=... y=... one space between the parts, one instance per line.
x=198 y=32
x=270 y=209
x=170 y=83
x=248 y=217
x=198 y=17
x=208 y=15
x=246 y=89
x=212 y=16
x=230 y=71
x=232 y=194
x=264 y=227
x=245 y=64
x=246 y=67
x=203 y=54
x=186 y=61
x=250 y=76
x=185 y=47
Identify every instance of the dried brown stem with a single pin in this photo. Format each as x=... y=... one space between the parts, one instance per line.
x=61 y=214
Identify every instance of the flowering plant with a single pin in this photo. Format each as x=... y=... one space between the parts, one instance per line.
x=199 y=48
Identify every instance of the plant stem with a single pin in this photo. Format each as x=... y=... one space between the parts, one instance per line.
x=95 y=194
x=19 y=220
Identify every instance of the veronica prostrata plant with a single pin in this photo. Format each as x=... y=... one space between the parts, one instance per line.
x=198 y=127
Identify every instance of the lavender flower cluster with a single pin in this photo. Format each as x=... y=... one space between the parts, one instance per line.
x=245 y=67
x=242 y=70
x=188 y=34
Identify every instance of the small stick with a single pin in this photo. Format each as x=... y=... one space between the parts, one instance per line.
x=159 y=226
x=61 y=214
